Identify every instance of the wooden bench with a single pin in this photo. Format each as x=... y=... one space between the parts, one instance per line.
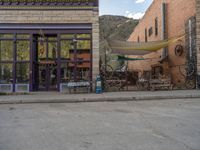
x=162 y=83
x=115 y=83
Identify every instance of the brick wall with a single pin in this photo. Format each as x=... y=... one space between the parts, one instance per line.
x=148 y=21
x=59 y=16
x=178 y=13
x=198 y=38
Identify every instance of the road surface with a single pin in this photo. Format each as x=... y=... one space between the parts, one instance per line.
x=138 y=125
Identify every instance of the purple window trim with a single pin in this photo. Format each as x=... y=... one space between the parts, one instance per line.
x=48 y=26
x=14 y=61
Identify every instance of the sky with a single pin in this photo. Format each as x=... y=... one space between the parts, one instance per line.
x=130 y=8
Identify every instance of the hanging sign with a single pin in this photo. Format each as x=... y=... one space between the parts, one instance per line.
x=73 y=4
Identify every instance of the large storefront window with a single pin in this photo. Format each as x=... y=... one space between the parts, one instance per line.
x=23 y=50
x=14 y=49
x=83 y=44
x=44 y=62
x=52 y=50
x=84 y=73
x=42 y=50
x=23 y=36
x=22 y=73
x=76 y=61
x=6 y=36
x=22 y=60
x=84 y=50
x=67 y=72
x=84 y=36
x=67 y=51
x=6 y=73
x=67 y=36
x=6 y=50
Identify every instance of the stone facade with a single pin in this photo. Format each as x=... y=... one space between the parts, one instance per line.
x=177 y=15
x=59 y=16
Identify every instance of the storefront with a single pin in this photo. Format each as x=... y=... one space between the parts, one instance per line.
x=46 y=54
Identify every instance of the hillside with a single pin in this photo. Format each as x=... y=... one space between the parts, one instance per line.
x=116 y=28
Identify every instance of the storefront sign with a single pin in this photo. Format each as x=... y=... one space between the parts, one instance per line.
x=48 y=4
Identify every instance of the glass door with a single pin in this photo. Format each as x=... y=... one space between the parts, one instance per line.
x=47 y=63
x=47 y=77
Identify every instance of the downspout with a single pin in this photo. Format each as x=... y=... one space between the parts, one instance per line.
x=198 y=41
x=190 y=39
x=164 y=27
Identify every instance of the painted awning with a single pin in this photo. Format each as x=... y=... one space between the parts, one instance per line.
x=142 y=48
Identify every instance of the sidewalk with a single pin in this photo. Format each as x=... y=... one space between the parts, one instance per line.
x=55 y=97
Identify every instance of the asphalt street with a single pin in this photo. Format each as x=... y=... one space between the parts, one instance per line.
x=137 y=125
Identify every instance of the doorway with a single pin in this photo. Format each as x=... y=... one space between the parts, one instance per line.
x=46 y=63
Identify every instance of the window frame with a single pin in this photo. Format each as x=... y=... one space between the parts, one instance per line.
x=146 y=37
x=156 y=26
x=150 y=31
x=32 y=40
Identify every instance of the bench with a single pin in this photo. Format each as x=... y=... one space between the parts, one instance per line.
x=77 y=85
x=115 y=83
x=156 y=84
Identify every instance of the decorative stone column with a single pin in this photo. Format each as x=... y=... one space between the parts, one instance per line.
x=95 y=46
x=198 y=41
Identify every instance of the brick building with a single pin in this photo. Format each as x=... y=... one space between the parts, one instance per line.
x=198 y=39
x=44 y=45
x=163 y=20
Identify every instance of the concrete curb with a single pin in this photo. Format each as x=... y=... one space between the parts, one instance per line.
x=98 y=99
x=167 y=97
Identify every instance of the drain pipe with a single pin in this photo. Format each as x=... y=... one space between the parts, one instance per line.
x=164 y=27
x=198 y=41
x=190 y=39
